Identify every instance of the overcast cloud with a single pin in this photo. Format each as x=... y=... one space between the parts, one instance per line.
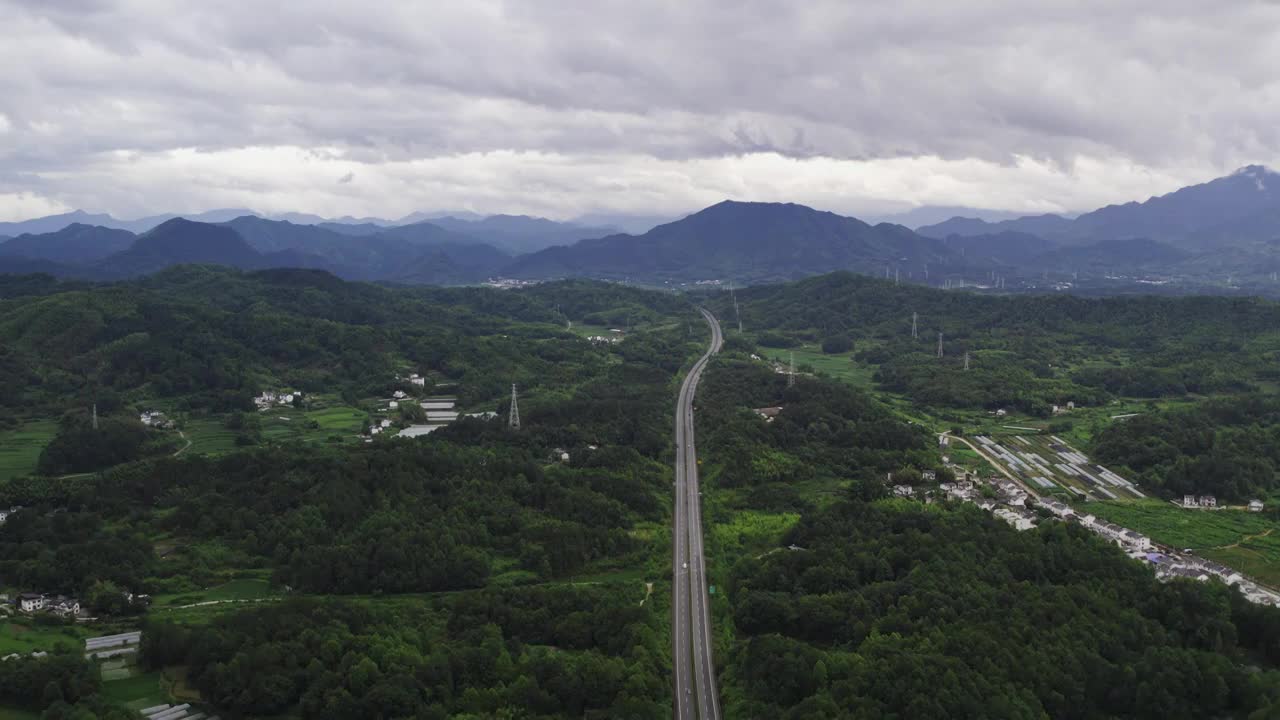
x=384 y=107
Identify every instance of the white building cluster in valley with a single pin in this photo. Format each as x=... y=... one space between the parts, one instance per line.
x=271 y=398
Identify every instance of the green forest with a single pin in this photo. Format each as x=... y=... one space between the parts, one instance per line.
x=1226 y=447
x=453 y=560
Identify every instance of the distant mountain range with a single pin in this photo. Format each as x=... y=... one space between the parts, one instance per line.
x=514 y=233
x=419 y=253
x=1226 y=227
x=1241 y=207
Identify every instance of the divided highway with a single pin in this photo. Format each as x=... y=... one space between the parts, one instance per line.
x=695 y=670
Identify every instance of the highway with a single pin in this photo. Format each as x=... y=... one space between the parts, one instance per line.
x=694 y=666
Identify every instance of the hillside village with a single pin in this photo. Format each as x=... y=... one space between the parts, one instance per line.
x=1013 y=503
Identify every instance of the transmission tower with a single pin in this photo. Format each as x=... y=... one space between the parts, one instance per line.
x=895 y=276
x=791 y=376
x=939 y=344
x=514 y=420
x=966 y=359
x=95 y=416
x=915 y=335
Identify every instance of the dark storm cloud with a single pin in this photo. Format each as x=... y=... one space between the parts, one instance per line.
x=1177 y=87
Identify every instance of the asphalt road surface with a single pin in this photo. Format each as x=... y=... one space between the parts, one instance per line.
x=695 y=670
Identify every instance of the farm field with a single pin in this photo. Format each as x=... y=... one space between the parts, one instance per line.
x=19 y=636
x=840 y=366
x=126 y=683
x=240 y=589
x=211 y=436
x=1248 y=542
x=20 y=448
x=1051 y=466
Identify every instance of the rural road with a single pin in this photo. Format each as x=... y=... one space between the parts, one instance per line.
x=695 y=671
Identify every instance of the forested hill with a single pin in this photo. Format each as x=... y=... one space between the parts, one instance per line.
x=844 y=301
x=1026 y=352
x=485 y=571
x=751 y=242
x=213 y=337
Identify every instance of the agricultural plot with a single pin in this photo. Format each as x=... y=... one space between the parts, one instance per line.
x=20 y=448
x=19 y=635
x=124 y=682
x=1048 y=464
x=840 y=366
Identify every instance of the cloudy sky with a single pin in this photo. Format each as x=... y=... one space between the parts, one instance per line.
x=558 y=108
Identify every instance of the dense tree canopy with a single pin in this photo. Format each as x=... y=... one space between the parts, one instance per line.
x=212 y=338
x=543 y=652
x=1229 y=448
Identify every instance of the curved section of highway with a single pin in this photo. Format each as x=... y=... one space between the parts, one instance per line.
x=695 y=671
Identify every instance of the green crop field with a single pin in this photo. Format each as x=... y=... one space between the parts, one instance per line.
x=239 y=589
x=210 y=436
x=20 y=448
x=138 y=690
x=16 y=635
x=840 y=366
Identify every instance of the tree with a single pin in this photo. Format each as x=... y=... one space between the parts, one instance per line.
x=836 y=344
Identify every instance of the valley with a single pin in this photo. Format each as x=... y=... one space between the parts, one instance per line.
x=296 y=509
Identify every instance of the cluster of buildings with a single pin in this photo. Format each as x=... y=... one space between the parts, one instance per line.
x=508 y=283
x=1060 y=409
x=1130 y=540
x=1003 y=499
x=440 y=411
x=1209 y=502
x=1013 y=499
x=155 y=419
x=1169 y=567
x=270 y=398
x=4 y=514
x=606 y=339
x=1203 y=501
x=60 y=605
